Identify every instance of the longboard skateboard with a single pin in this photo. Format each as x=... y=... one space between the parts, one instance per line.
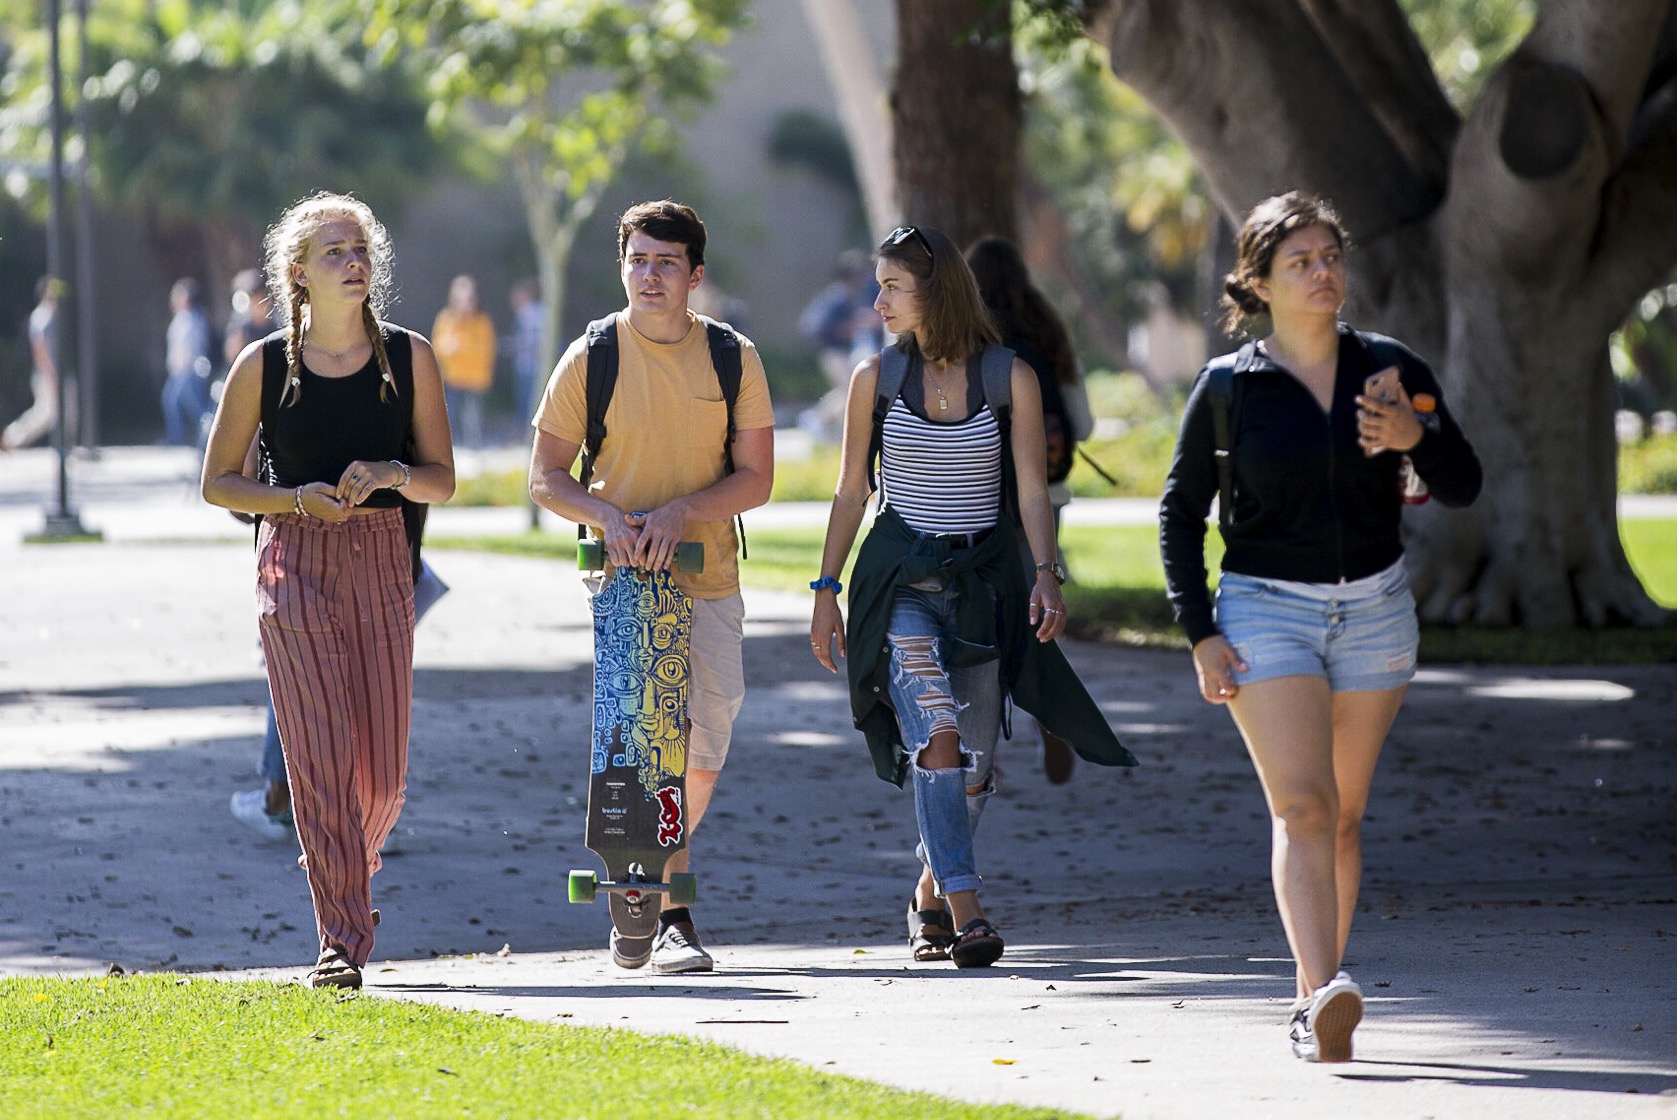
x=638 y=755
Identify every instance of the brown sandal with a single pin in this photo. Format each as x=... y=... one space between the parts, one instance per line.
x=335 y=970
x=935 y=946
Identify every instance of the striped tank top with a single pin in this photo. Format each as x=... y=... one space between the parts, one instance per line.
x=942 y=478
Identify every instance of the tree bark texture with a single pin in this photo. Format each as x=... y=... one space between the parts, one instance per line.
x=956 y=112
x=1504 y=248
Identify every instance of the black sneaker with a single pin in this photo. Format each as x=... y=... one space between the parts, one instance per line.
x=630 y=952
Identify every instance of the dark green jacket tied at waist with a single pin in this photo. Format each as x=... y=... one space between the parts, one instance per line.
x=991 y=612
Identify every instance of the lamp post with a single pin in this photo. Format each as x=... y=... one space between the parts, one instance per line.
x=87 y=376
x=61 y=523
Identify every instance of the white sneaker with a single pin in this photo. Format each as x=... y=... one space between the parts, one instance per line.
x=678 y=950
x=1332 y=1015
x=1301 y=1038
x=250 y=807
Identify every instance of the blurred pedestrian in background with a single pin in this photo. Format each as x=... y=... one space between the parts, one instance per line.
x=188 y=365
x=250 y=315
x=38 y=421
x=465 y=341
x=842 y=323
x=524 y=346
x=1030 y=327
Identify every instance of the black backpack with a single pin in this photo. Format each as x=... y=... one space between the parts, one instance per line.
x=994 y=383
x=602 y=339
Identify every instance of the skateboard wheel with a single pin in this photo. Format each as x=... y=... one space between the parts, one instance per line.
x=580 y=886
x=591 y=556
x=691 y=557
x=682 y=889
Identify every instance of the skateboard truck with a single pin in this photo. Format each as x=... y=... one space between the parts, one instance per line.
x=637 y=890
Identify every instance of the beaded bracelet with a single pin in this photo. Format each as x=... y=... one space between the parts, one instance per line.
x=297 y=502
x=403 y=467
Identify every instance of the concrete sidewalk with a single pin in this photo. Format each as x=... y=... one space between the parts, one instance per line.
x=1516 y=933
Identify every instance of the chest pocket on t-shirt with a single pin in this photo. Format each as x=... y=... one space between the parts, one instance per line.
x=708 y=423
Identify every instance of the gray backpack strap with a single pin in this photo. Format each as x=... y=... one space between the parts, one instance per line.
x=893 y=368
x=995 y=364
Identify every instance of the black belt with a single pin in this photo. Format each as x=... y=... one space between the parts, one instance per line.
x=964 y=540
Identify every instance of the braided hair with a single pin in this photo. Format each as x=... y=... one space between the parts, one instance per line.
x=287 y=244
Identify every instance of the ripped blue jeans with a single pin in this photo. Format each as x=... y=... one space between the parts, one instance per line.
x=941 y=683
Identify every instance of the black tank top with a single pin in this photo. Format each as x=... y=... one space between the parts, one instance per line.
x=337 y=420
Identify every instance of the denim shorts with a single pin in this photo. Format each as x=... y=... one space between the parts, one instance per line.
x=1365 y=641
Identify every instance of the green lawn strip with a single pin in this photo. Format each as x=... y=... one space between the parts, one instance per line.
x=1650 y=546
x=183 y=1047
x=1118 y=592
x=1136 y=459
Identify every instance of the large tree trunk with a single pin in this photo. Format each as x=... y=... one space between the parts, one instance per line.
x=1505 y=250
x=956 y=112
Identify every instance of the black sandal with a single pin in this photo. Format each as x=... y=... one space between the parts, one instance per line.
x=335 y=970
x=978 y=945
x=926 y=946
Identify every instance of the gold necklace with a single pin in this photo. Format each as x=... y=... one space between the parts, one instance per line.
x=944 y=405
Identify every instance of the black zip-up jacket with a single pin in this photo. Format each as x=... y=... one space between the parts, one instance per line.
x=1307 y=503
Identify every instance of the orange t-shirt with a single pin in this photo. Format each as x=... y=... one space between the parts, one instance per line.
x=665 y=430
x=465 y=344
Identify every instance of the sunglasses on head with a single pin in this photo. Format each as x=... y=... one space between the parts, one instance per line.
x=904 y=233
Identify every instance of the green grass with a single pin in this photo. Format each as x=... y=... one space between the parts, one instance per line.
x=181 y=1047
x=1650 y=547
x=1118 y=593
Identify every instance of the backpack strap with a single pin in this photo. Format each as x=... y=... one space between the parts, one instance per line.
x=1221 y=399
x=399 y=351
x=601 y=338
x=996 y=363
x=889 y=382
x=602 y=379
x=725 y=347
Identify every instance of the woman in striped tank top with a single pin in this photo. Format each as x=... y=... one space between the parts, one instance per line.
x=336 y=395
x=942 y=616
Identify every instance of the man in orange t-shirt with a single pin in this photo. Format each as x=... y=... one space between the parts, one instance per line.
x=666 y=428
x=464 y=339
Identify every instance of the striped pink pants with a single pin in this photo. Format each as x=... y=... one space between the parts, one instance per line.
x=336 y=608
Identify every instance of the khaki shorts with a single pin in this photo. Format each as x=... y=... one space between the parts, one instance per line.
x=716 y=682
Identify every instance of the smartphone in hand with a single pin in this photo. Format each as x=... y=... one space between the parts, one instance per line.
x=1384 y=386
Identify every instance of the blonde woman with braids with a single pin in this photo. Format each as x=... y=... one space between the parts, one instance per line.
x=348 y=413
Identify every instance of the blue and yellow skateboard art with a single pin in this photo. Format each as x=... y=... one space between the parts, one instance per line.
x=638 y=751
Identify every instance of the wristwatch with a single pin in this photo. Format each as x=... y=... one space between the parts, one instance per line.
x=1054 y=569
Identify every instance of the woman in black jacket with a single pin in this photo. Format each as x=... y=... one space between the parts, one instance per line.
x=1314 y=636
